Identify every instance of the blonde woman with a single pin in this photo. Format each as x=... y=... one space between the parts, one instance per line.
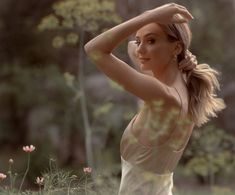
x=177 y=94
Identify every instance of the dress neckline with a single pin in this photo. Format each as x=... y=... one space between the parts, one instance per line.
x=165 y=144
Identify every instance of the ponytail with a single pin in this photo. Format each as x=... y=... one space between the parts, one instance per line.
x=203 y=102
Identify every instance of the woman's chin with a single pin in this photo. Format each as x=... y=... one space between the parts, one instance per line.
x=144 y=67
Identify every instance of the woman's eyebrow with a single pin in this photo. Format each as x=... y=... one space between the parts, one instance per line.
x=137 y=37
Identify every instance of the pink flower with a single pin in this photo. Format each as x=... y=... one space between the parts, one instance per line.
x=87 y=169
x=29 y=149
x=2 y=176
x=40 y=180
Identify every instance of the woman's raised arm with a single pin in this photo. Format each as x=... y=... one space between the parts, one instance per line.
x=99 y=50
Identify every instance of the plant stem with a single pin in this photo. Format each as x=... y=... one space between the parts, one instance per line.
x=40 y=190
x=69 y=186
x=10 y=175
x=27 y=170
x=85 y=185
x=83 y=103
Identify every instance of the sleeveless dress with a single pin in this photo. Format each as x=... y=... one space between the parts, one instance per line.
x=148 y=170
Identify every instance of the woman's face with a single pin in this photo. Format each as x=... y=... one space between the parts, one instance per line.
x=153 y=50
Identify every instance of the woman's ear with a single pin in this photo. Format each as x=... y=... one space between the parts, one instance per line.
x=178 y=48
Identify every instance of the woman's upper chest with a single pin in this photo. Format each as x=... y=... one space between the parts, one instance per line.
x=157 y=122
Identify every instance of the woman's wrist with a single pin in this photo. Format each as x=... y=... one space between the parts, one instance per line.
x=146 y=17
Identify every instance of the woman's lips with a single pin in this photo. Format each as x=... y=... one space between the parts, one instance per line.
x=144 y=59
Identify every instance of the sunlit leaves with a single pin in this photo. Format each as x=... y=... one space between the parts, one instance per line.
x=49 y=22
x=67 y=23
x=73 y=15
x=211 y=151
x=115 y=85
x=103 y=109
x=69 y=79
x=88 y=15
x=65 y=8
x=58 y=42
x=72 y=38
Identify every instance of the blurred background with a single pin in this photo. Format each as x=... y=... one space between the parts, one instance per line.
x=51 y=96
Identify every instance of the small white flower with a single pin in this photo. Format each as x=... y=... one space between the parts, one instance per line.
x=40 y=180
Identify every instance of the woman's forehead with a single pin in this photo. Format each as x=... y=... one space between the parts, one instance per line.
x=152 y=28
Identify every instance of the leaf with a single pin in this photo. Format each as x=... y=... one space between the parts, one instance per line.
x=58 y=42
x=72 y=38
x=49 y=22
x=103 y=109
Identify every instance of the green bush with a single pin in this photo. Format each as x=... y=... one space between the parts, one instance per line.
x=210 y=154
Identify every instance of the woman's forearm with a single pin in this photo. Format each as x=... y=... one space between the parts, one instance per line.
x=108 y=40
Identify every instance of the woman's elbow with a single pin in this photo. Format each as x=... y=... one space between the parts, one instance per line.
x=88 y=48
x=92 y=52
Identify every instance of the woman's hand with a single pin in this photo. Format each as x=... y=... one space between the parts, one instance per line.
x=170 y=13
x=188 y=63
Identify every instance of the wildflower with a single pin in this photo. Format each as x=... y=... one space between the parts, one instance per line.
x=2 y=176
x=29 y=149
x=87 y=169
x=11 y=161
x=40 y=180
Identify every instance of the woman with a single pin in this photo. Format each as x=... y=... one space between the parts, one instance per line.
x=177 y=94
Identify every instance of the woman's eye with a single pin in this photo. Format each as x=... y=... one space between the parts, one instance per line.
x=137 y=42
x=151 y=41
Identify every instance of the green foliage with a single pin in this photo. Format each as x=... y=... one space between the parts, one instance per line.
x=49 y=22
x=218 y=190
x=213 y=41
x=35 y=99
x=58 y=42
x=103 y=109
x=210 y=152
x=214 y=190
x=115 y=85
x=77 y=16
x=57 y=181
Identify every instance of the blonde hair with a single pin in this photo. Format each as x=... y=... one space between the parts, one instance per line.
x=202 y=81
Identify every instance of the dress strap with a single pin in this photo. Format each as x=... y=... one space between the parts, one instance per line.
x=181 y=102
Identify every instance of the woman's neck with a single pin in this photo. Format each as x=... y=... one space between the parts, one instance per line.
x=169 y=75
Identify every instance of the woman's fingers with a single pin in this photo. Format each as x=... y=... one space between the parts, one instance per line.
x=181 y=16
x=171 y=13
x=179 y=20
x=185 y=13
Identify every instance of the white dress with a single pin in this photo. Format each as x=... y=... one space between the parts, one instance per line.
x=149 y=170
x=139 y=182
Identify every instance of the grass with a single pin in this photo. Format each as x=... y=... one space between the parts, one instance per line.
x=56 y=181
x=215 y=190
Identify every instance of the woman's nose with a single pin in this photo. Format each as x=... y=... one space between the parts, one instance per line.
x=140 y=49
